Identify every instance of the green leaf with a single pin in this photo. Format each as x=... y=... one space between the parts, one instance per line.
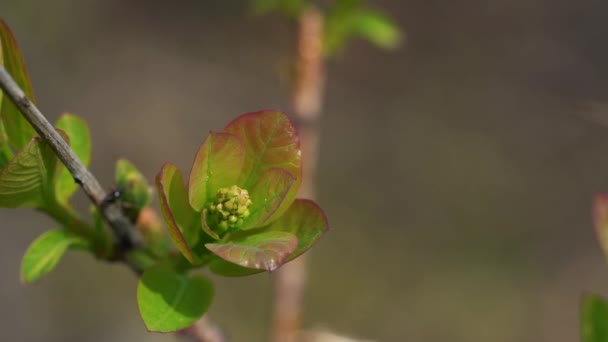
x=377 y=28
x=271 y=141
x=306 y=220
x=169 y=301
x=80 y=142
x=594 y=319
x=217 y=164
x=18 y=129
x=6 y=154
x=263 y=251
x=27 y=180
x=179 y=216
x=267 y=195
x=45 y=252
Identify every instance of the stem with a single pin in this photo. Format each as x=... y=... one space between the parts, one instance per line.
x=125 y=233
x=307 y=99
x=123 y=230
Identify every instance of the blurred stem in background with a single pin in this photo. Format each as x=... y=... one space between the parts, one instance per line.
x=306 y=101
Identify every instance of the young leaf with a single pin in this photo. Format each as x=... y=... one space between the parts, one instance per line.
x=27 y=180
x=6 y=154
x=264 y=251
x=267 y=195
x=179 y=216
x=306 y=220
x=224 y=268
x=45 y=252
x=80 y=142
x=169 y=301
x=594 y=319
x=217 y=164
x=18 y=129
x=377 y=28
x=271 y=141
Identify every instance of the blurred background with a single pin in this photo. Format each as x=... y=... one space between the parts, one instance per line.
x=457 y=172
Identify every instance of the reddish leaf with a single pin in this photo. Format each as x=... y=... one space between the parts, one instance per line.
x=264 y=251
x=176 y=210
x=306 y=220
x=271 y=141
x=217 y=164
x=267 y=195
x=206 y=227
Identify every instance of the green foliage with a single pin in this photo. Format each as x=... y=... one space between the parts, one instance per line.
x=28 y=179
x=45 y=252
x=169 y=301
x=594 y=319
x=240 y=193
x=17 y=128
x=344 y=20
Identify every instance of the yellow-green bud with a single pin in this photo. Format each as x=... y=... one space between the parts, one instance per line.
x=231 y=206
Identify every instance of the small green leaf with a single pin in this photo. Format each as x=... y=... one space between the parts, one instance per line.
x=206 y=227
x=27 y=180
x=217 y=164
x=377 y=28
x=18 y=129
x=306 y=220
x=45 y=252
x=267 y=195
x=594 y=319
x=169 y=301
x=80 y=142
x=271 y=141
x=263 y=251
x=182 y=221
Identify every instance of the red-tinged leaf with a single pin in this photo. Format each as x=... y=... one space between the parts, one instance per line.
x=176 y=210
x=600 y=213
x=267 y=195
x=217 y=164
x=306 y=220
x=206 y=227
x=18 y=129
x=266 y=251
x=271 y=141
x=224 y=268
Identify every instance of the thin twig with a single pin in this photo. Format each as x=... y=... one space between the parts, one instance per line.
x=126 y=234
x=307 y=99
x=124 y=231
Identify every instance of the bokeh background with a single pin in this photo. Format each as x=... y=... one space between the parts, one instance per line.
x=457 y=172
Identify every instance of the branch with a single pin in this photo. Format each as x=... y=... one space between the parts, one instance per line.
x=307 y=99
x=126 y=235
